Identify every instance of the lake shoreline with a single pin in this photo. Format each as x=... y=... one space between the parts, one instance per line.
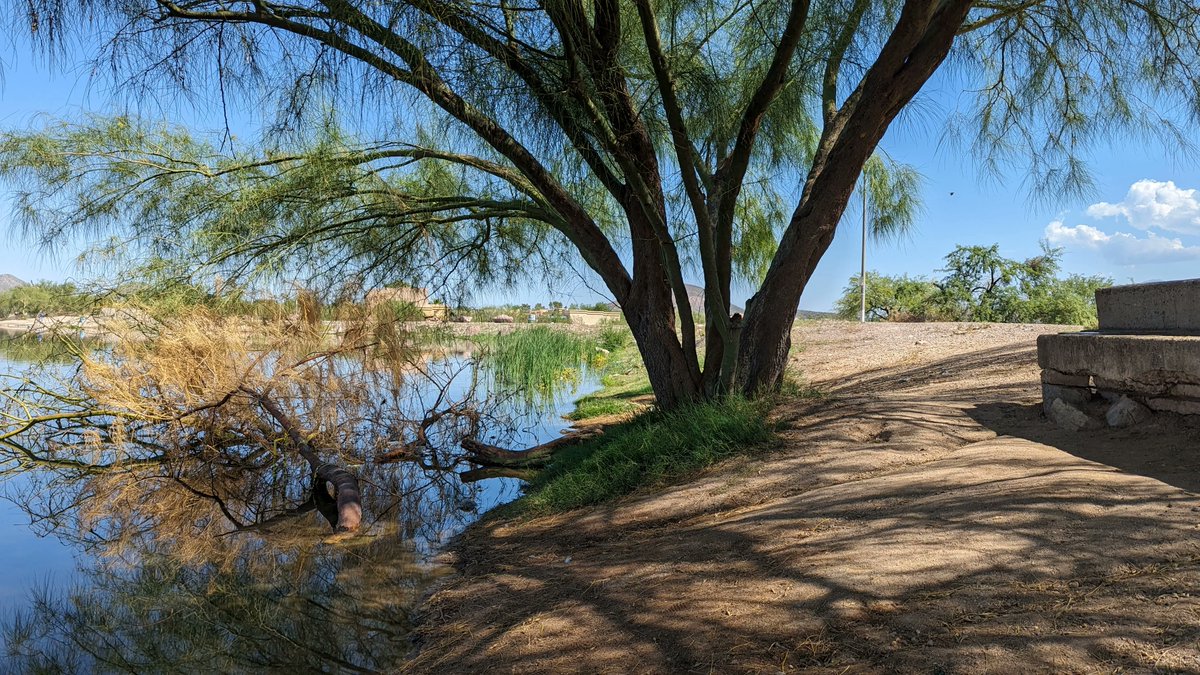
x=919 y=515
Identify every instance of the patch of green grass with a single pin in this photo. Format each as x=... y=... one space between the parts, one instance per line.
x=537 y=361
x=590 y=407
x=796 y=386
x=624 y=379
x=652 y=449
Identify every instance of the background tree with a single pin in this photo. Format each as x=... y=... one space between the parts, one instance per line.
x=889 y=298
x=644 y=135
x=982 y=285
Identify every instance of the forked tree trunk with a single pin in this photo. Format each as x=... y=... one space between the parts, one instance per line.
x=916 y=47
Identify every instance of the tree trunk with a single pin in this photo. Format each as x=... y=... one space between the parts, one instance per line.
x=917 y=46
x=651 y=318
x=766 y=337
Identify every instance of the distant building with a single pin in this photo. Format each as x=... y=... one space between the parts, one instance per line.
x=587 y=317
x=417 y=297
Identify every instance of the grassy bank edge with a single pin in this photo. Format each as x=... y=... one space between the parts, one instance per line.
x=641 y=447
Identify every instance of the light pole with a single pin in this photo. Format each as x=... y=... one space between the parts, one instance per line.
x=862 y=275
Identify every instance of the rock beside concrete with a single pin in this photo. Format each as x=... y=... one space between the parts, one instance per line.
x=1068 y=417
x=1127 y=412
x=1072 y=395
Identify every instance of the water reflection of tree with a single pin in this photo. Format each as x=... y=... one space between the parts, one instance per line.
x=297 y=604
x=162 y=458
x=187 y=436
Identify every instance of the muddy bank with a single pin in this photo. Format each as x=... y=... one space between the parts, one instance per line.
x=922 y=516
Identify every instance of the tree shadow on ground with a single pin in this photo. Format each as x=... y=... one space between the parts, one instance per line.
x=1166 y=448
x=922 y=518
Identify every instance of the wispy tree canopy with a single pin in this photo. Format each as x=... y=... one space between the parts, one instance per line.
x=648 y=136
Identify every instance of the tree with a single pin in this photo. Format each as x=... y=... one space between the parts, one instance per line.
x=982 y=285
x=651 y=132
x=889 y=298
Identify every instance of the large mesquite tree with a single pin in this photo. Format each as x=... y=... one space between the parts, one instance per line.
x=646 y=134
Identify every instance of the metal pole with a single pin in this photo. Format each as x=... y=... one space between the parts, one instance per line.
x=862 y=276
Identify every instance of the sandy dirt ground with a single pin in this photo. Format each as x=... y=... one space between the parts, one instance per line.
x=921 y=516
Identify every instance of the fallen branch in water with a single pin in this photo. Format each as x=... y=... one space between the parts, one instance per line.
x=414 y=449
x=487 y=472
x=536 y=457
x=343 y=509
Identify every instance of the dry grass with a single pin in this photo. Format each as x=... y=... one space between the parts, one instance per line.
x=163 y=435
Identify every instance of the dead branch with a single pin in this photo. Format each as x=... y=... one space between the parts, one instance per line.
x=536 y=457
x=487 y=472
x=347 y=497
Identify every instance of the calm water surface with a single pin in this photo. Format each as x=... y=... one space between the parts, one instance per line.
x=295 y=599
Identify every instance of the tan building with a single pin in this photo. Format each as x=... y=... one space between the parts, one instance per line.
x=587 y=317
x=417 y=297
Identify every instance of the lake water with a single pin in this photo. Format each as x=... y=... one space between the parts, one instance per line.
x=292 y=598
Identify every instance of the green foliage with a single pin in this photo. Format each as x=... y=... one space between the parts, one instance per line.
x=396 y=310
x=625 y=387
x=889 y=299
x=653 y=449
x=982 y=285
x=321 y=207
x=614 y=338
x=48 y=298
x=1070 y=301
x=536 y=362
x=893 y=194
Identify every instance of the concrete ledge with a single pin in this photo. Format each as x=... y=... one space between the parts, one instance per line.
x=1148 y=363
x=1169 y=307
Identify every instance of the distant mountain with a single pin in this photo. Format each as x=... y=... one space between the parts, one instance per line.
x=9 y=282
x=696 y=299
x=813 y=314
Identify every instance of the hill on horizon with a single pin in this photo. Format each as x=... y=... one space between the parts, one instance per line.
x=696 y=298
x=9 y=282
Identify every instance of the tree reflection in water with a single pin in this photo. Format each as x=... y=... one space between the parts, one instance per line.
x=197 y=507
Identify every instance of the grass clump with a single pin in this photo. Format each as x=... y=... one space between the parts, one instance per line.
x=625 y=388
x=538 y=361
x=591 y=407
x=652 y=449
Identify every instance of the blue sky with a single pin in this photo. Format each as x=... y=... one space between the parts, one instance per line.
x=1142 y=223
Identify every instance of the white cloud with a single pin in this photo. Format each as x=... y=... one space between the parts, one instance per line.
x=1152 y=204
x=1121 y=248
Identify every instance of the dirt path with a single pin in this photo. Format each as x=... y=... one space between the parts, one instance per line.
x=921 y=517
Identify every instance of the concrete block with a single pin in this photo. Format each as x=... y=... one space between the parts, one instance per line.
x=1141 y=360
x=1171 y=307
x=1050 y=376
x=1186 y=390
x=1150 y=385
x=1175 y=405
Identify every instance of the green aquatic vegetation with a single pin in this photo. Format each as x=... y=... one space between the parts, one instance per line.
x=537 y=363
